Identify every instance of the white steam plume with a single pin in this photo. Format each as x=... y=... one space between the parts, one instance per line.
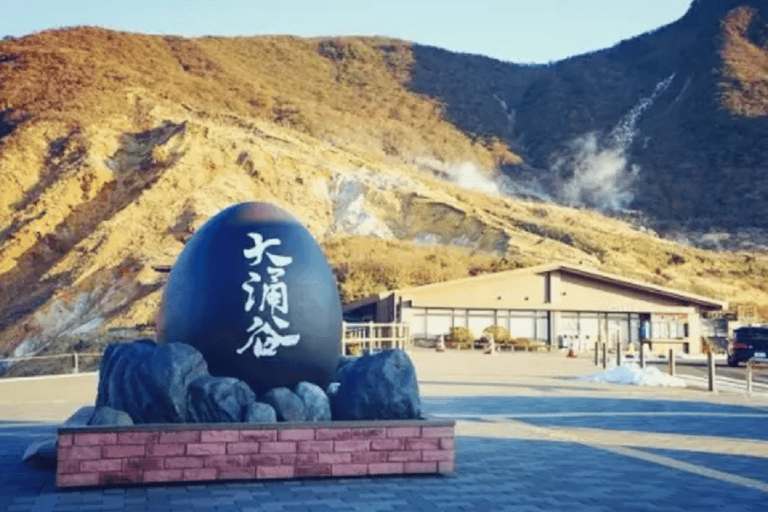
x=601 y=175
x=466 y=175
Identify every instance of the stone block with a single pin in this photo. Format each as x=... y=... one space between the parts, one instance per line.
x=333 y=434
x=181 y=436
x=368 y=457
x=313 y=470
x=163 y=475
x=165 y=449
x=93 y=466
x=296 y=434
x=219 y=436
x=137 y=437
x=199 y=474
x=403 y=456
x=388 y=468
x=206 y=448
x=123 y=450
x=278 y=447
x=422 y=444
x=420 y=467
x=223 y=461
x=315 y=446
x=352 y=445
x=95 y=439
x=275 y=471
x=349 y=469
x=388 y=444
x=414 y=431
x=242 y=448
x=335 y=458
x=184 y=462
x=258 y=435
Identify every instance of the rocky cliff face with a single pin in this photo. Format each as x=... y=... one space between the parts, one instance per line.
x=115 y=147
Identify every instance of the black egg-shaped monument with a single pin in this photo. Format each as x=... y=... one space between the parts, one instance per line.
x=253 y=292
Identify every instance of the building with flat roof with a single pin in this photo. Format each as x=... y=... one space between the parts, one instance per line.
x=562 y=305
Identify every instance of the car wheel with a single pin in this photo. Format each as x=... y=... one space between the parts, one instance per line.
x=732 y=362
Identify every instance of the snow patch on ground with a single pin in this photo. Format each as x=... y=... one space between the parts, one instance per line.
x=633 y=375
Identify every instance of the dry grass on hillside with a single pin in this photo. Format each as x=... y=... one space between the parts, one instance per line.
x=744 y=86
x=351 y=92
x=366 y=266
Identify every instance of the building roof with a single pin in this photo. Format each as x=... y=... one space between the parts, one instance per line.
x=582 y=271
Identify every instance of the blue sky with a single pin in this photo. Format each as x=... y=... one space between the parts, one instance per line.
x=521 y=31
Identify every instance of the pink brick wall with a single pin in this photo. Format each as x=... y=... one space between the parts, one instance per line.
x=163 y=453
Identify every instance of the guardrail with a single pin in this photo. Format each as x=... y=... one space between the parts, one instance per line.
x=74 y=356
x=358 y=338
x=361 y=338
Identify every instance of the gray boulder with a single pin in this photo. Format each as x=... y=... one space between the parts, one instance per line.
x=260 y=413
x=380 y=386
x=80 y=417
x=149 y=382
x=219 y=400
x=343 y=363
x=316 y=403
x=42 y=452
x=109 y=416
x=288 y=406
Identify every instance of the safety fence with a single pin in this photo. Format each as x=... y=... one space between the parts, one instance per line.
x=362 y=338
x=74 y=362
x=359 y=338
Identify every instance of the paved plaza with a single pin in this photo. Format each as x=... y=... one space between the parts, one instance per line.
x=531 y=436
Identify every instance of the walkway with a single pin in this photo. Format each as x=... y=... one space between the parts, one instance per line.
x=530 y=437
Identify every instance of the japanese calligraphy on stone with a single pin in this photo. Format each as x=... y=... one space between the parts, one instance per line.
x=267 y=298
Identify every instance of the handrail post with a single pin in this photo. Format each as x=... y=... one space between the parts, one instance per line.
x=672 y=362
x=749 y=377
x=711 y=367
x=77 y=363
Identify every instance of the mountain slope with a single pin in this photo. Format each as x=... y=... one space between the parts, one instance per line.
x=115 y=147
x=676 y=110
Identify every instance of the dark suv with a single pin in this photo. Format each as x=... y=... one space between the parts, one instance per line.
x=748 y=342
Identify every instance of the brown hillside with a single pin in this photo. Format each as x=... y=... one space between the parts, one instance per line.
x=115 y=147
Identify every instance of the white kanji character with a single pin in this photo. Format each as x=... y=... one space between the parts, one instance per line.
x=253 y=278
x=280 y=261
x=259 y=246
x=267 y=347
x=276 y=296
x=275 y=273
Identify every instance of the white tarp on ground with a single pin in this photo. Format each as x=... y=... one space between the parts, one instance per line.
x=632 y=374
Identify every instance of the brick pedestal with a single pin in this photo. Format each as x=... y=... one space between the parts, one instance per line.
x=103 y=456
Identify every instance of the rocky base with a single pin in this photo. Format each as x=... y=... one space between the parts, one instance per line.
x=141 y=454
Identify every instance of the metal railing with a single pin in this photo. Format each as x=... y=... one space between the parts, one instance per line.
x=73 y=356
x=360 y=338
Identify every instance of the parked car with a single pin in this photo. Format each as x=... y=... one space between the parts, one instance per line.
x=748 y=342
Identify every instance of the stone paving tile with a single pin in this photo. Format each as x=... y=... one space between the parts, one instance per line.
x=750 y=467
x=715 y=419
x=491 y=474
x=749 y=428
x=558 y=405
